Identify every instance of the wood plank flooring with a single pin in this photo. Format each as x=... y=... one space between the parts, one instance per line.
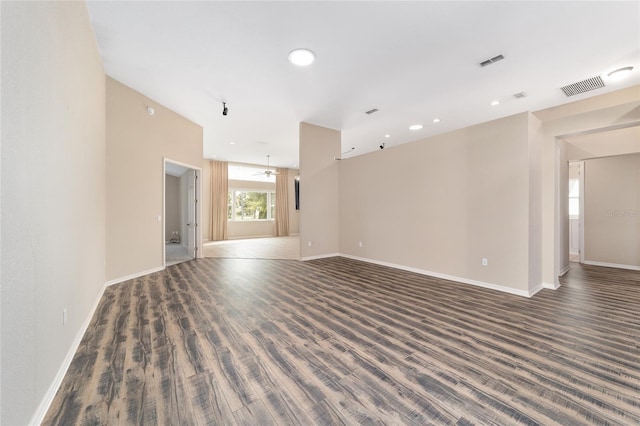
x=337 y=341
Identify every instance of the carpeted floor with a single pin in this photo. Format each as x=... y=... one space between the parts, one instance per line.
x=286 y=248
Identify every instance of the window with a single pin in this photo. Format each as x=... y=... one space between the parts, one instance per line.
x=251 y=205
x=574 y=197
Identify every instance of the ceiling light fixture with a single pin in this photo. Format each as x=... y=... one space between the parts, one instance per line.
x=620 y=73
x=387 y=136
x=232 y=143
x=494 y=103
x=302 y=57
x=436 y=120
x=415 y=127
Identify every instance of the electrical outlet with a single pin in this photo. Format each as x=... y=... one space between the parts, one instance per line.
x=64 y=316
x=309 y=244
x=485 y=261
x=359 y=243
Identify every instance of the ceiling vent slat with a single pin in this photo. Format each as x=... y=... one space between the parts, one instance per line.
x=491 y=60
x=583 y=86
x=371 y=111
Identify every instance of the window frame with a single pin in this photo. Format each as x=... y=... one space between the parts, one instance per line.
x=270 y=200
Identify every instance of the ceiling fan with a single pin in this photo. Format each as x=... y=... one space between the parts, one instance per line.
x=268 y=173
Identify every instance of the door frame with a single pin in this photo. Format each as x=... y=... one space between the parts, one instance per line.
x=198 y=208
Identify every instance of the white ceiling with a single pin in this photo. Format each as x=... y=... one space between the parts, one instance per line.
x=414 y=61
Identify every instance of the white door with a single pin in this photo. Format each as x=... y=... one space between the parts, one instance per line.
x=192 y=225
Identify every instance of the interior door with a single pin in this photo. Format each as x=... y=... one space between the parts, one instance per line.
x=192 y=224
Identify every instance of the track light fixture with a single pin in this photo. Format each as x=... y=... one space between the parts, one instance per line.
x=382 y=145
x=225 y=110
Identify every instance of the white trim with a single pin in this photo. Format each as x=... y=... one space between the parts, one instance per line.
x=46 y=401
x=612 y=265
x=517 y=292
x=534 y=290
x=564 y=270
x=581 y=176
x=249 y=237
x=551 y=286
x=132 y=276
x=320 y=256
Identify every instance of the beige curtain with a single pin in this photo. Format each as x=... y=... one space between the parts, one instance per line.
x=219 y=200
x=282 y=203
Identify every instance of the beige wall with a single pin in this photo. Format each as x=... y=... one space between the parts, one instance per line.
x=294 y=215
x=612 y=210
x=599 y=113
x=137 y=144
x=172 y=206
x=53 y=196
x=205 y=204
x=603 y=144
x=442 y=204
x=319 y=194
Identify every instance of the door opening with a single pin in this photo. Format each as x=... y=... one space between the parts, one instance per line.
x=181 y=213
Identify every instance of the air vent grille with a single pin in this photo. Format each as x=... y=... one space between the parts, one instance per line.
x=520 y=95
x=371 y=111
x=491 y=60
x=583 y=86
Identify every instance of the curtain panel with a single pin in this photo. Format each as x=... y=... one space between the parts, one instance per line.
x=282 y=203
x=219 y=200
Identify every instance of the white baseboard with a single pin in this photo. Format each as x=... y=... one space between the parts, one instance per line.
x=476 y=283
x=612 y=265
x=565 y=270
x=132 y=276
x=38 y=416
x=551 y=286
x=534 y=290
x=320 y=256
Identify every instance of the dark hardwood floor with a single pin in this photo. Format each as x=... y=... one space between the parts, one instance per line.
x=336 y=341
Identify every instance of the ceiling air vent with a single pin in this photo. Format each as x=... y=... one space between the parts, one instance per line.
x=371 y=111
x=520 y=95
x=583 y=86
x=491 y=61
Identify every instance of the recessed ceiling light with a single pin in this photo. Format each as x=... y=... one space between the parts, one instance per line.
x=302 y=57
x=620 y=73
x=232 y=143
x=387 y=136
x=494 y=103
x=436 y=120
x=415 y=127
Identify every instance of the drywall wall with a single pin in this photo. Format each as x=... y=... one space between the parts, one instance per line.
x=599 y=113
x=294 y=218
x=443 y=203
x=535 y=204
x=205 y=204
x=603 y=144
x=319 y=194
x=172 y=206
x=612 y=210
x=137 y=144
x=53 y=197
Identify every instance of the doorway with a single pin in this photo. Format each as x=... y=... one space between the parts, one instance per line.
x=181 y=237
x=576 y=187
